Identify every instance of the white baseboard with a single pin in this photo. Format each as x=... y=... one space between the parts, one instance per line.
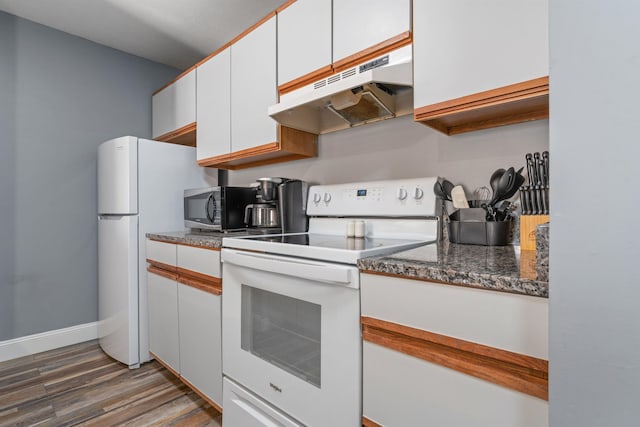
x=37 y=343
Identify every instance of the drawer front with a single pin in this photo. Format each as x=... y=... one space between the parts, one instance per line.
x=516 y=323
x=161 y=252
x=199 y=260
x=401 y=390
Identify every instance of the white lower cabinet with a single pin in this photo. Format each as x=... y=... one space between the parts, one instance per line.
x=163 y=319
x=185 y=319
x=201 y=340
x=401 y=390
x=443 y=355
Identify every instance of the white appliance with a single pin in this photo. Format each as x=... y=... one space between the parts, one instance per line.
x=374 y=90
x=140 y=190
x=291 y=309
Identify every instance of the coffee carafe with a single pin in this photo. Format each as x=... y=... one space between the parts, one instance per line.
x=265 y=213
x=292 y=201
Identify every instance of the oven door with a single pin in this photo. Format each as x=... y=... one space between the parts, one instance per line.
x=291 y=334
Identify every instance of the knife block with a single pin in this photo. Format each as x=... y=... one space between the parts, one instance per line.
x=528 y=225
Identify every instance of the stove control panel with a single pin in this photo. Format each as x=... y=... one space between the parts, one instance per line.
x=392 y=198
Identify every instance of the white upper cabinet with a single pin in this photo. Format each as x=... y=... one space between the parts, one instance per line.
x=360 y=24
x=463 y=47
x=304 y=39
x=214 y=101
x=174 y=107
x=253 y=88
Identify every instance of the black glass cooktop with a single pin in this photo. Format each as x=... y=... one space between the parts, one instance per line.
x=331 y=242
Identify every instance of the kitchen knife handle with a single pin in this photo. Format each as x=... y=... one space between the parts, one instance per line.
x=523 y=200
x=545 y=163
x=537 y=164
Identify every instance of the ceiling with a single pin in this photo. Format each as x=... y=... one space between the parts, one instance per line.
x=176 y=33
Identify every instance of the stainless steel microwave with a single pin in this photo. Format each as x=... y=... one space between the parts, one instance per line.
x=217 y=208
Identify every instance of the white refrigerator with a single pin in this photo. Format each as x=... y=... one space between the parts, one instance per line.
x=140 y=190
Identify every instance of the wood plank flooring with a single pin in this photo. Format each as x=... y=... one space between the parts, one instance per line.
x=80 y=385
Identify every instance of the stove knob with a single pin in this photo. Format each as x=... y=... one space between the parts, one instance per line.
x=402 y=194
x=317 y=197
x=418 y=193
x=327 y=197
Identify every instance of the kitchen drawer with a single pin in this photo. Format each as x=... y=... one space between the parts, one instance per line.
x=164 y=253
x=199 y=260
x=401 y=390
x=511 y=322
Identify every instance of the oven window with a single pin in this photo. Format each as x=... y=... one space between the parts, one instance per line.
x=283 y=331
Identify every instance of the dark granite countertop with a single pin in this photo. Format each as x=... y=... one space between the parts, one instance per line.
x=207 y=239
x=500 y=268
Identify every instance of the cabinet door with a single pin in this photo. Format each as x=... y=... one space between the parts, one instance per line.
x=304 y=39
x=253 y=88
x=201 y=340
x=462 y=47
x=412 y=392
x=163 y=319
x=174 y=106
x=360 y=24
x=213 y=106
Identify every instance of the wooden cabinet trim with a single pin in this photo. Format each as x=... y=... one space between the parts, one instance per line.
x=187 y=383
x=519 y=372
x=366 y=422
x=162 y=265
x=186 y=135
x=163 y=363
x=374 y=51
x=201 y=394
x=226 y=45
x=506 y=105
x=163 y=273
x=308 y=78
x=213 y=285
x=293 y=144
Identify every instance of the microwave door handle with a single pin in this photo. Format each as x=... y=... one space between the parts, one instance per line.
x=213 y=207
x=333 y=274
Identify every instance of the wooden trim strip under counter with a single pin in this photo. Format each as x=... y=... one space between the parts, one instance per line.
x=162 y=265
x=186 y=135
x=519 y=372
x=374 y=51
x=516 y=103
x=213 y=285
x=162 y=273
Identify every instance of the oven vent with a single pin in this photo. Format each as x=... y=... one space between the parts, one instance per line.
x=349 y=73
x=333 y=79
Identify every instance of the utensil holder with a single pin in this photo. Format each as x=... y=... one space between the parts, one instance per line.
x=470 y=227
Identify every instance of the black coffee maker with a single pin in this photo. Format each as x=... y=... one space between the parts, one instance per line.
x=281 y=206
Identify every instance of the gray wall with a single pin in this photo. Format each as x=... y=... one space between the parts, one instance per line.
x=60 y=97
x=595 y=291
x=401 y=148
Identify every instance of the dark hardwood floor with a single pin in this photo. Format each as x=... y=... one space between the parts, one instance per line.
x=81 y=385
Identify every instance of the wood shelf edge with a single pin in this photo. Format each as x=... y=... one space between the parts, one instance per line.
x=516 y=103
x=523 y=373
x=374 y=51
x=308 y=78
x=186 y=135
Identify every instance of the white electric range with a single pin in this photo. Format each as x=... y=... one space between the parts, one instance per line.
x=291 y=305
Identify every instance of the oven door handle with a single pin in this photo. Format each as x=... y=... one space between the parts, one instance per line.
x=334 y=274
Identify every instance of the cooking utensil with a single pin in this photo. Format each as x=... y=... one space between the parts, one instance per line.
x=495 y=178
x=504 y=184
x=447 y=186
x=439 y=191
x=518 y=180
x=459 y=198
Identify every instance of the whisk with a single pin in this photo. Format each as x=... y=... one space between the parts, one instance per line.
x=480 y=195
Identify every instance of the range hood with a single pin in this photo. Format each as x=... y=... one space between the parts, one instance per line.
x=375 y=90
